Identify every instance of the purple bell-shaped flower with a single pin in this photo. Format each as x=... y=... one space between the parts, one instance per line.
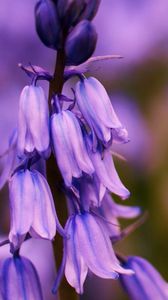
x=33 y=124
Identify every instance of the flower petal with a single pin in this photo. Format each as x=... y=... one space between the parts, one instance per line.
x=21 y=204
x=77 y=143
x=65 y=159
x=146 y=283
x=75 y=268
x=33 y=124
x=111 y=208
x=20 y=280
x=95 y=247
x=107 y=174
x=44 y=219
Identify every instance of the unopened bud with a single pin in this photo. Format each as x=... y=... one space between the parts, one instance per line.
x=80 y=43
x=69 y=11
x=91 y=7
x=47 y=23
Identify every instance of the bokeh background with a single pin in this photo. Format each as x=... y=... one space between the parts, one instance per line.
x=138 y=86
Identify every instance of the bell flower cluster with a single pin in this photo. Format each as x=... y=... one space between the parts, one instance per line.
x=80 y=137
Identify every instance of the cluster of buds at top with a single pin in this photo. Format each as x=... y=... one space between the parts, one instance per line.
x=66 y=24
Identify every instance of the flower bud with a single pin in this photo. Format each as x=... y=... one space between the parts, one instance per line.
x=80 y=43
x=90 y=9
x=69 y=11
x=47 y=23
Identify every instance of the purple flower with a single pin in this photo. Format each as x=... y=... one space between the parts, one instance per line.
x=90 y=191
x=106 y=172
x=69 y=146
x=112 y=211
x=19 y=280
x=32 y=207
x=33 y=124
x=146 y=283
x=97 y=110
x=89 y=247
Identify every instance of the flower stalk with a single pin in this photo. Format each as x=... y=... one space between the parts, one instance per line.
x=54 y=176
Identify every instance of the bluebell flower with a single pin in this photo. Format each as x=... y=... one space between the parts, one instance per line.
x=19 y=280
x=69 y=146
x=33 y=124
x=89 y=247
x=146 y=283
x=106 y=172
x=32 y=207
x=97 y=110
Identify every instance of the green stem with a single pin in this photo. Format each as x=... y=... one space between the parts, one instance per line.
x=54 y=177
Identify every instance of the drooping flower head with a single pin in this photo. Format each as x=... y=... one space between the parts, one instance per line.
x=69 y=146
x=97 y=110
x=19 y=280
x=32 y=207
x=33 y=124
x=146 y=283
x=89 y=247
x=106 y=172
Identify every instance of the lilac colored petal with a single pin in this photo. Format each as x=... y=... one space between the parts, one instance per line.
x=107 y=174
x=103 y=108
x=69 y=147
x=22 y=127
x=8 y=163
x=146 y=283
x=22 y=196
x=111 y=211
x=97 y=110
x=103 y=132
x=65 y=159
x=20 y=280
x=95 y=247
x=111 y=208
x=78 y=145
x=33 y=124
x=75 y=268
x=39 y=115
x=120 y=135
x=44 y=220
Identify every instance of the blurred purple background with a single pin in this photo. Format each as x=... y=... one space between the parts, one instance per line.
x=137 y=30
